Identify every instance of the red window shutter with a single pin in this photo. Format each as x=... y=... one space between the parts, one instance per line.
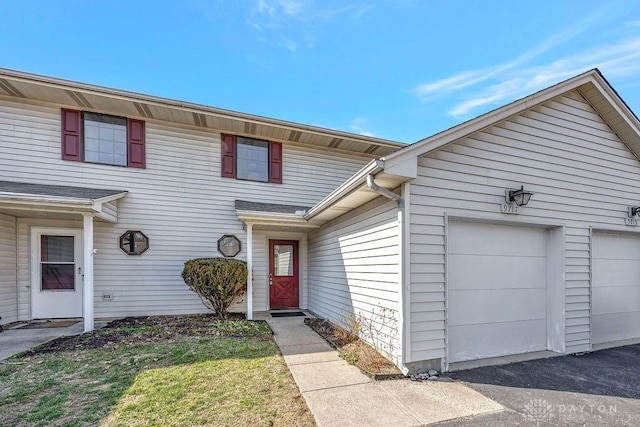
x=135 y=132
x=71 y=135
x=228 y=156
x=275 y=162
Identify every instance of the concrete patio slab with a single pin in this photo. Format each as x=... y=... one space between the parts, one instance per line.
x=352 y=406
x=432 y=401
x=17 y=340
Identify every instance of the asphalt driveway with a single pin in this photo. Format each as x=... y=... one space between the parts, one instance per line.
x=599 y=388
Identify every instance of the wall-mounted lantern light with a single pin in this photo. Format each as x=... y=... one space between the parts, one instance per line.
x=520 y=197
x=633 y=211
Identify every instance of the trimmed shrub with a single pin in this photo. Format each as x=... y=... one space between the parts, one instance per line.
x=218 y=281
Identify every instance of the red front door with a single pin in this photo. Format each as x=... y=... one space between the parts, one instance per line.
x=283 y=274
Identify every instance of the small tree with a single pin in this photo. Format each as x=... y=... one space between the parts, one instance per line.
x=218 y=281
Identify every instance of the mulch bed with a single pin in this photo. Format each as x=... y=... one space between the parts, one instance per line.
x=357 y=352
x=133 y=330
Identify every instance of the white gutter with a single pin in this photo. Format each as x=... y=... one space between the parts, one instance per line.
x=53 y=200
x=348 y=187
x=193 y=107
x=273 y=218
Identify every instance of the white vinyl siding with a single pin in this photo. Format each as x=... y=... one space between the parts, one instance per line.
x=581 y=172
x=8 y=288
x=353 y=270
x=179 y=201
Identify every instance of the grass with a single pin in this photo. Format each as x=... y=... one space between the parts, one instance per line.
x=232 y=376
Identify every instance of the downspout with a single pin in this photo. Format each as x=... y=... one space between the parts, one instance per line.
x=371 y=183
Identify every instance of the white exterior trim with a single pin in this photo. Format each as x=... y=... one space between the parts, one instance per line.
x=87 y=251
x=249 y=271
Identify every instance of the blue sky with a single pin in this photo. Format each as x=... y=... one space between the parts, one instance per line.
x=400 y=70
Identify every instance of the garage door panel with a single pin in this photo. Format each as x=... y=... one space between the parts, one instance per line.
x=615 y=299
x=501 y=339
x=615 y=288
x=496 y=290
x=489 y=306
x=616 y=246
x=468 y=271
x=495 y=239
x=614 y=272
x=615 y=327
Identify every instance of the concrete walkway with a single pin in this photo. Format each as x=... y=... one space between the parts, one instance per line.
x=338 y=394
x=17 y=340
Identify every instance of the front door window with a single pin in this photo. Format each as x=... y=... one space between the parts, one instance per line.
x=283 y=260
x=57 y=263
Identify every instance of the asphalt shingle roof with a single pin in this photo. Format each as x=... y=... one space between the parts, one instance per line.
x=56 y=190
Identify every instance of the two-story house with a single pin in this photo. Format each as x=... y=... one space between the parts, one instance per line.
x=513 y=233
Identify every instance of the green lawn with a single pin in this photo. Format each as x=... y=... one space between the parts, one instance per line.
x=226 y=374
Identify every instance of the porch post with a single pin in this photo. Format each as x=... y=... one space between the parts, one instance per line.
x=250 y=271
x=87 y=258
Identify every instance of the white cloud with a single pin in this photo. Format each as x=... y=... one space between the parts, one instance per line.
x=293 y=23
x=358 y=126
x=621 y=59
x=525 y=74
x=439 y=88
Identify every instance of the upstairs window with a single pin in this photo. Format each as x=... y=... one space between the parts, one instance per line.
x=105 y=139
x=101 y=138
x=251 y=159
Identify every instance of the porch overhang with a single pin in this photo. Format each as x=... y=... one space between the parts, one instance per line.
x=25 y=199
x=270 y=216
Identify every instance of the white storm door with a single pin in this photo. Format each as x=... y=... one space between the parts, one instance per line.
x=56 y=273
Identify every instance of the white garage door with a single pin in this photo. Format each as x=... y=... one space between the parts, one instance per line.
x=615 y=288
x=497 y=293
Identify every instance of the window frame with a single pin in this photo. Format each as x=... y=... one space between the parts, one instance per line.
x=229 y=159
x=73 y=141
x=268 y=147
x=84 y=138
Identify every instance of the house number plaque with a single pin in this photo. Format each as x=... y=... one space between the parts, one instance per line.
x=510 y=208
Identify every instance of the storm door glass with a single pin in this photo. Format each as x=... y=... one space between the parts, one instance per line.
x=57 y=263
x=283 y=257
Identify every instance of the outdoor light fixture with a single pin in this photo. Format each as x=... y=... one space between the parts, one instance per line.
x=633 y=211
x=520 y=197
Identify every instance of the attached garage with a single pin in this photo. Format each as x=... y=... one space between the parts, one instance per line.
x=497 y=290
x=615 y=288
